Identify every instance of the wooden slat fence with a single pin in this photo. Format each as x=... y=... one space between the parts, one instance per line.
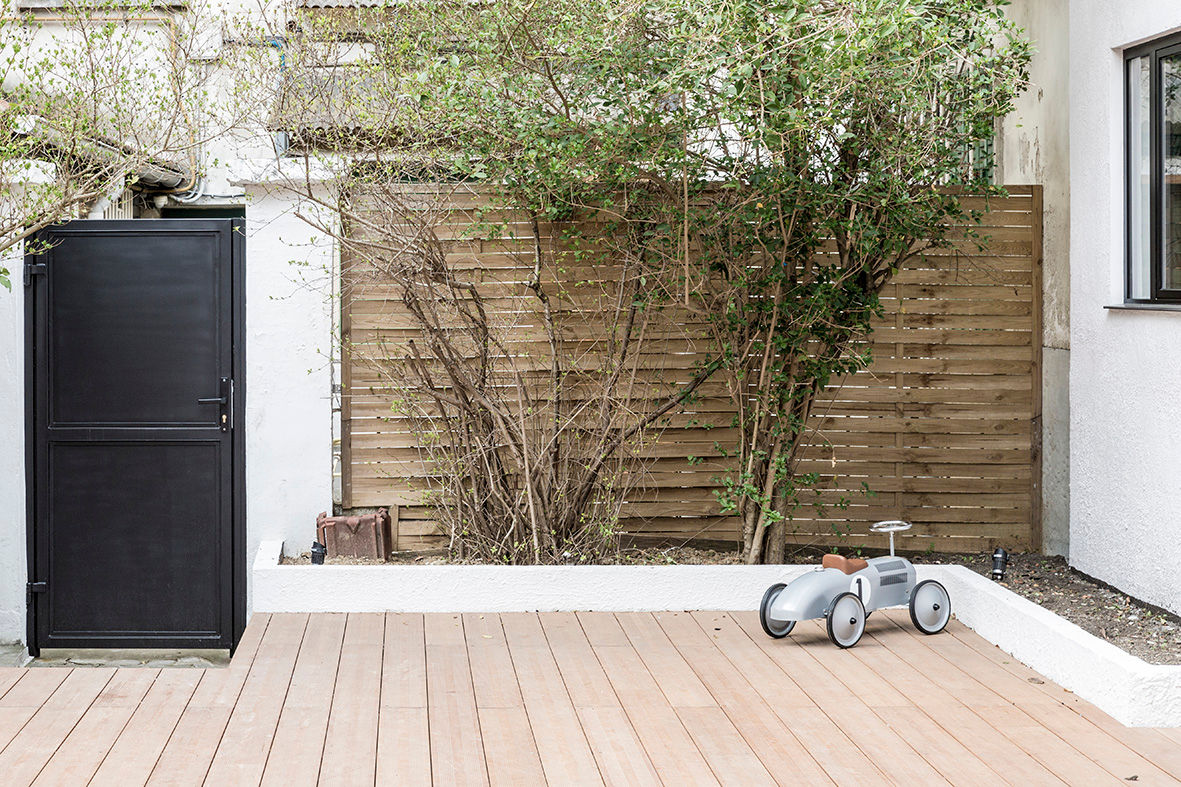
x=942 y=430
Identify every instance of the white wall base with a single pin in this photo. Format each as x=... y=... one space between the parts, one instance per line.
x=1134 y=692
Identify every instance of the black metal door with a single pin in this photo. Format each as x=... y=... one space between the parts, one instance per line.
x=135 y=460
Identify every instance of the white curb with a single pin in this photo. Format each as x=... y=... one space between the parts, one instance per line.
x=1133 y=692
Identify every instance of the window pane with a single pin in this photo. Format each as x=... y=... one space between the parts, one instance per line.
x=1139 y=183
x=1171 y=143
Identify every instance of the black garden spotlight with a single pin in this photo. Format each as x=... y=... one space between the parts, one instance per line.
x=1000 y=561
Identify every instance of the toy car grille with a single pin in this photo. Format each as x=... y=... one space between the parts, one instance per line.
x=893 y=579
x=893 y=565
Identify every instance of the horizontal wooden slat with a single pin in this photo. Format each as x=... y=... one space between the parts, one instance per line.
x=940 y=429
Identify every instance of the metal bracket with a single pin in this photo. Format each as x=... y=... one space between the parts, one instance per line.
x=34 y=587
x=34 y=269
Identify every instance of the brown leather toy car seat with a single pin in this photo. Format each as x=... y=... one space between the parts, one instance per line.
x=849 y=565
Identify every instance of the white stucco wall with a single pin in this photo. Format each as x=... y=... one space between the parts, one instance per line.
x=12 y=457
x=288 y=372
x=1125 y=366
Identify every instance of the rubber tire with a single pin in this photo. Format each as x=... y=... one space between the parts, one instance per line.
x=768 y=600
x=828 y=620
x=914 y=618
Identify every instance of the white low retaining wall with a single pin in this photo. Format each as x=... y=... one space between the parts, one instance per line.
x=1132 y=691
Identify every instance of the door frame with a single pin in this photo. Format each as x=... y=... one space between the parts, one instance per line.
x=238 y=415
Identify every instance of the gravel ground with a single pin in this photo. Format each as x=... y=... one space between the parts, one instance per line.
x=634 y=556
x=1150 y=634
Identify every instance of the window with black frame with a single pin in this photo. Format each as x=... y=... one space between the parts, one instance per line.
x=1153 y=166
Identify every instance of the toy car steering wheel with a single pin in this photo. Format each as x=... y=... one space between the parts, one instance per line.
x=890 y=526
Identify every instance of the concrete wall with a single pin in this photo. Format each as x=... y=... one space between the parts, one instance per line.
x=1125 y=366
x=1033 y=146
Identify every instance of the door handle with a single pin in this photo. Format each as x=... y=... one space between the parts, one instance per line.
x=223 y=400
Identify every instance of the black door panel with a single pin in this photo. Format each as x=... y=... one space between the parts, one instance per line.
x=121 y=318
x=136 y=494
x=131 y=549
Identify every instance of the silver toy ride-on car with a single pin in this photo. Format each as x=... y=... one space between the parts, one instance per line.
x=844 y=590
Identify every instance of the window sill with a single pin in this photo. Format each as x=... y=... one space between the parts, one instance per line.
x=1145 y=307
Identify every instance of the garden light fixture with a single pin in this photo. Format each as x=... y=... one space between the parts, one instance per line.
x=1000 y=561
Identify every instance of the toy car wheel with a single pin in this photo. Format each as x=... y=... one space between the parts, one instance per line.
x=846 y=620
x=773 y=627
x=930 y=607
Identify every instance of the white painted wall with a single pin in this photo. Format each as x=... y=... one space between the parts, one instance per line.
x=1125 y=366
x=288 y=372
x=12 y=457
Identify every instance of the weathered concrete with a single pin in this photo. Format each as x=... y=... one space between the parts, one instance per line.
x=13 y=655
x=1033 y=146
x=1055 y=458
x=120 y=657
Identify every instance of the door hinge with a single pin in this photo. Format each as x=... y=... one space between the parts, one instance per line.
x=33 y=269
x=35 y=587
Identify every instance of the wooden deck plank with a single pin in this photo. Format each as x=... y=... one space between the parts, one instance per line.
x=134 y=753
x=676 y=678
x=728 y=754
x=444 y=629
x=29 y=751
x=454 y=724
x=585 y=680
x=567 y=698
x=617 y=749
x=867 y=725
x=241 y=755
x=1154 y=744
x=35 y=686
x=298 y=745
x=951 y=758
x=665 y=739
x=8 y=678
x=403 y=673
x=602 y=630
x=1042 y=705
x=493 y=677
x=403 y=747
x=782 y=754
x=403 y=729
x=24 y=698
x=915 y=681
x=350 y=747
x=197 y=740
x=832 y=747
x=840 y=698
x=509 y=748
x=565 y=754
x=1065 y=760
x=83 y=750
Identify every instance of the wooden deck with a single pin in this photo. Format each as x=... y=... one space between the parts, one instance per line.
x=518 y=699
